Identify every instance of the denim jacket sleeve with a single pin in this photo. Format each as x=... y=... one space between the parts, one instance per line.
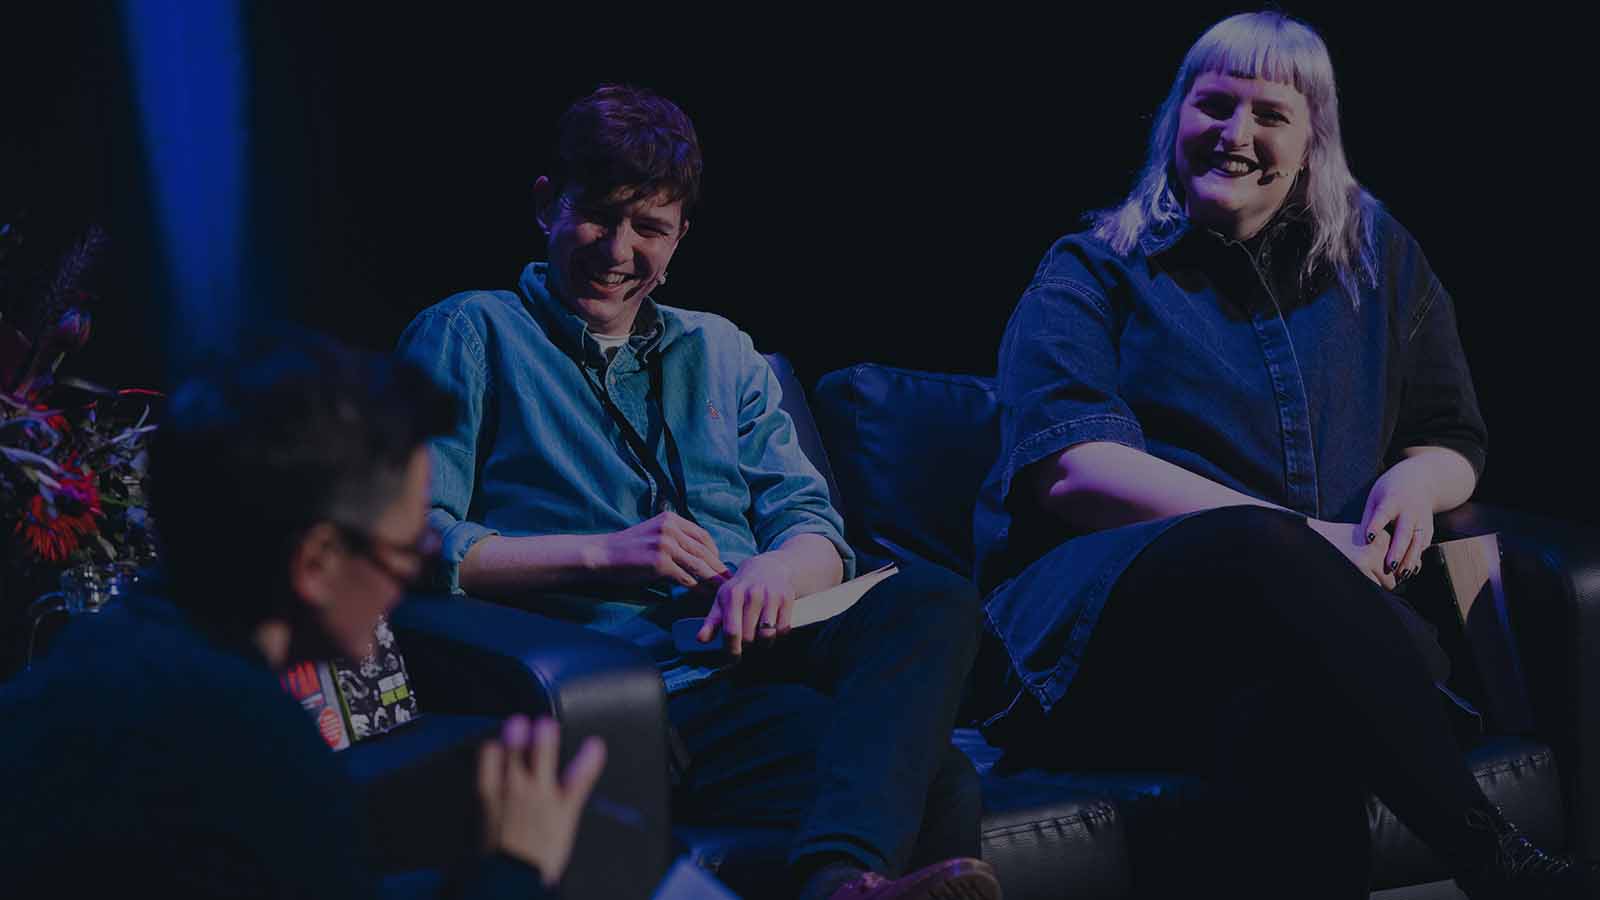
x=1058 y=368
x=787 y=494
x=446 y=344
x=1438 y=405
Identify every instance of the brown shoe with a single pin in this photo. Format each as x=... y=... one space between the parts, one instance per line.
x=963 y=878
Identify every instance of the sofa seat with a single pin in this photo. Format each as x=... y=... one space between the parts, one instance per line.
x=1082 y=835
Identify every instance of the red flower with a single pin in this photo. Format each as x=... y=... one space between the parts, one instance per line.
x=53 y=531
x=78 y=488
x=50 y=535
x=56 y=421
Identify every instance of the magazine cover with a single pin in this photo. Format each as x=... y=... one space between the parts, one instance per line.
x=376 y=691
x=314 y=686
x=352 y=700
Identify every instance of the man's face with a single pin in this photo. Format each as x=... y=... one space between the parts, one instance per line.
x=606 y=255
x=381 y=560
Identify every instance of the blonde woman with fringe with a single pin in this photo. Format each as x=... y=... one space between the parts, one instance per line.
x=1230 y=410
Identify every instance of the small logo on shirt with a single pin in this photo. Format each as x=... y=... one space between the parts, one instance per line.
x=711 y=408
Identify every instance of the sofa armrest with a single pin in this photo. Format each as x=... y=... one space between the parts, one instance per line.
x=472 y=657
x=466 y=656
x=1551 y=571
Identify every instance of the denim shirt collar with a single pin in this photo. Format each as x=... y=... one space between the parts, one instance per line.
x=652 y=331
x=1275 y=255
x=1291 y=222
x=1157 y=240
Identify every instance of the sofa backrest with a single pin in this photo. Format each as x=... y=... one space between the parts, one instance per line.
x=794 y=403
x=910 y=451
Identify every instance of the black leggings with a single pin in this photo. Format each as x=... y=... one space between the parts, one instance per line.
x=1242 y=646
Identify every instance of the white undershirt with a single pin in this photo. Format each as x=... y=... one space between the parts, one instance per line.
x=609 y=343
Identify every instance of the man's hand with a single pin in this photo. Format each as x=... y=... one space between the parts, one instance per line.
x=1403 y=497
x=1351 y=540
x=527 y=813
x=756 y=602
x=667 y=546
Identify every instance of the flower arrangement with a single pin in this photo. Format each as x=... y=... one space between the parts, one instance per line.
x=72 y=454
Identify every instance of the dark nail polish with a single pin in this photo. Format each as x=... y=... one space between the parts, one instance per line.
x=1388 y=567
x=1371 y=536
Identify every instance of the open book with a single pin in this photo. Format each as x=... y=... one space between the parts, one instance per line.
x=808 y=610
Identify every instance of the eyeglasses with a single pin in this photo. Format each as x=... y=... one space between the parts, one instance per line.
x=425 y=550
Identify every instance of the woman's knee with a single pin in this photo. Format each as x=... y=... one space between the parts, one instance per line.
x=1243 y=546
x=1252 y=530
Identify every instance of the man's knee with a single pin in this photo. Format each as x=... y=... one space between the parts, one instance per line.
x=926 y=590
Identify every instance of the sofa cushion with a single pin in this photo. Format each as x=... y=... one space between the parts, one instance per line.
x=911 y=451
x=1044 y=842
x=1047 y=835
x=1083 y=834
x=1155 y=812
x=1517 y=774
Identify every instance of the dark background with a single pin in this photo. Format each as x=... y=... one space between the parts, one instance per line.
x=876 y=188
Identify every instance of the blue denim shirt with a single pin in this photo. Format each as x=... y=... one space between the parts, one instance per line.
x=1220 y=358
x=534 y=451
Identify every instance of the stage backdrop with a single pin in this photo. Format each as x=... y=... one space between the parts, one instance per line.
x=876 y=189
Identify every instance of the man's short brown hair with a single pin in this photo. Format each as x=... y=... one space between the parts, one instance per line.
x=625 y=143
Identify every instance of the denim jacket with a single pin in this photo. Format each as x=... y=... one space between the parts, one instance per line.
x=1221 y=358
x=534 y=450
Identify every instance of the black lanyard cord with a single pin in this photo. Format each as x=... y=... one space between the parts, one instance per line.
x=676 y=487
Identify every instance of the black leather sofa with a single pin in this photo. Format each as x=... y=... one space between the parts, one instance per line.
x=904 y=453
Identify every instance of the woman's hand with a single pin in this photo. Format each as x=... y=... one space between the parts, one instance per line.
x=1405 y=499
x=1351 y=540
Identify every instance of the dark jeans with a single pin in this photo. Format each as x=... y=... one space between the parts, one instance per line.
x=1240 y=645
x=842 y=730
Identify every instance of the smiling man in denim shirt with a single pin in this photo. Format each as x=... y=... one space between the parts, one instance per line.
x=624 y=463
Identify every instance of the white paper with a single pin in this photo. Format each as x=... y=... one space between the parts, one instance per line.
x=822 y=605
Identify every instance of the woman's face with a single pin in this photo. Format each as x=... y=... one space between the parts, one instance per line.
x=1241 y=141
